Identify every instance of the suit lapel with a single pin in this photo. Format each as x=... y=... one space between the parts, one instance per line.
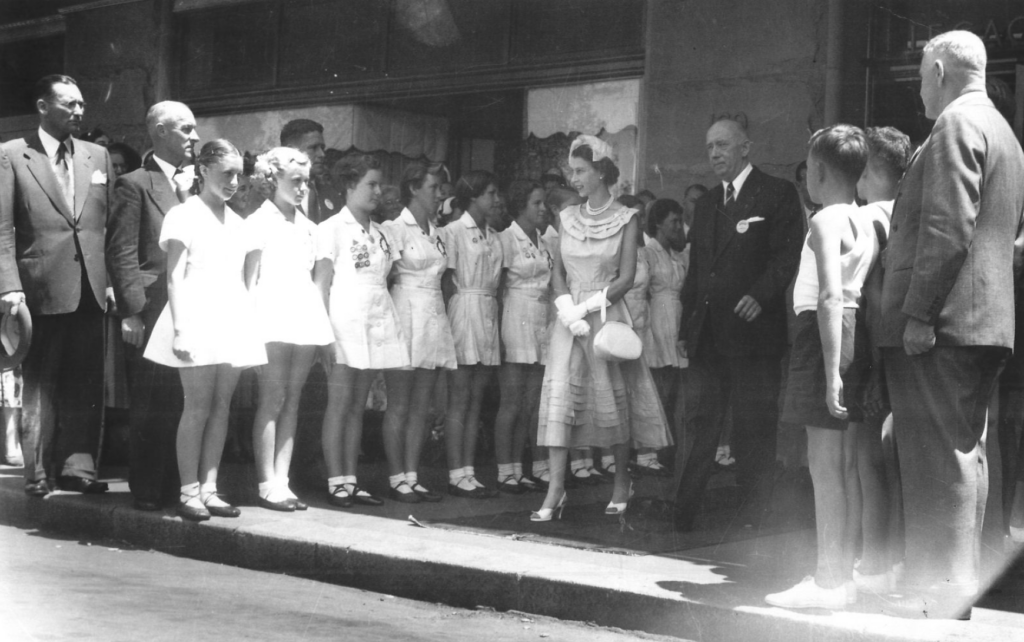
x=161 y=193
x=83 y=176
x=745 y=203
x=39 y=165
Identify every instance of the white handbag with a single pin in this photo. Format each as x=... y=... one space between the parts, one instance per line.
x=616 y=341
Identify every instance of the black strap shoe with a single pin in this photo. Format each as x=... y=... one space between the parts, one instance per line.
x=81 y=485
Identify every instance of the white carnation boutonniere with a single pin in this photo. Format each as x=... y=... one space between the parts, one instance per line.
x=99 y=178
x=183 y=180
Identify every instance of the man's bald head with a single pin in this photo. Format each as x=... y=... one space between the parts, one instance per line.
x=172 y=128
x=728 y=147
x=952 y=63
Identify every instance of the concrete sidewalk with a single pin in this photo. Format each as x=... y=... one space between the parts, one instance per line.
x=633 y=574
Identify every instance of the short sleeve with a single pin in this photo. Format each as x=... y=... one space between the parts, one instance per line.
x=176 y=226
x=507 y=242
x=324 y=238
x=395 y=233
x=448 y=235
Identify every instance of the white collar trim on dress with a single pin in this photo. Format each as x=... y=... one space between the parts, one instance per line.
x=409 y=219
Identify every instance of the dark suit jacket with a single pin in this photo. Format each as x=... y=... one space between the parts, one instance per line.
x=135 y=262
x=950 y=257
x=760 y=262
x=38 y=231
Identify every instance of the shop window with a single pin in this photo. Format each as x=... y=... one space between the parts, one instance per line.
x=448 y=35
x=325 y=41
x=229 y=48
x=555 y=30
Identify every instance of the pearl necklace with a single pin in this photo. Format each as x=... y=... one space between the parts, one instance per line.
x=595 y=212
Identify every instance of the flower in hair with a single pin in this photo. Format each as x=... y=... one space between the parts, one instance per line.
x=600 y=148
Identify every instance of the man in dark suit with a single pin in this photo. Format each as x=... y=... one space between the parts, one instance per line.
x=948 y=318
x=744 y=250
x=307 y=136
x=54 y=192
x=138 y=274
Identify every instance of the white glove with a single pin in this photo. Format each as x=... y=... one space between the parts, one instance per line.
x=579 y=328
x=569 y=313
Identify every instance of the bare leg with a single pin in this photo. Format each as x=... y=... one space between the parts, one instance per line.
x=217 y=423
x=272 y=379
x=288 y=419
x=459 y=384
x=623 y=483
x=511 y=378
x=198 y=386
x=825 y=454
x=400 y=384
x=347 y=389
x=422 y=393
x=480 y=380
x=524 y=426
x=556 y=487
x=874 y=521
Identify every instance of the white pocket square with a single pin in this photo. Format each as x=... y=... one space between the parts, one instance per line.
x=99 y=178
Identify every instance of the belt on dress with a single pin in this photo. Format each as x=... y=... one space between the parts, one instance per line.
x=417 y=286
x=478 y=292
x=534 y=294
x=590 y=286
x=667 y=294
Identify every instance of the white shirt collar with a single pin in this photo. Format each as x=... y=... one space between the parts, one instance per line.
x=409 y=219
x=166 y=168
x=50 y=144
x=467 y=220
x=741 y=178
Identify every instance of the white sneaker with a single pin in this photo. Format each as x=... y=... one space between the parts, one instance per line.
x=808 y=595
x=878 y=584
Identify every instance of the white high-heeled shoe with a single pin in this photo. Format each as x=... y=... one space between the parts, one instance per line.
x=545 y=514
x=619 y=508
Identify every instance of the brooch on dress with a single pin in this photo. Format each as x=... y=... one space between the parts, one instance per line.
x=439 y=244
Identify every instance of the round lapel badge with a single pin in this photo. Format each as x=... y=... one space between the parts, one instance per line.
x=329 y=204
x=743 y=226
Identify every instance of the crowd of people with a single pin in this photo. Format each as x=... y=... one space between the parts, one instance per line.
x=614 y=323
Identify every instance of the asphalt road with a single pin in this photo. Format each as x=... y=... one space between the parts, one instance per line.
x=57 y=588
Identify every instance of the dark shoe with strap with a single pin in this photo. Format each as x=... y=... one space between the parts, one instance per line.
x=426 y=494
x=298 y=503
x=510 y=485
x=285 y=506
x=533 y=484
x=192 y=514
x=339 y=497
x=363 y=496
x=224 y=511
x=474 y=493
x=81 y=485
x=408 y=497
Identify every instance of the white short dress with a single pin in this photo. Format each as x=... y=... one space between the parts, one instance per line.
x=526 y=302
x=473 y=310
x=289 y=308
x=417 y=270
x=367 y=334
x=217 y=313
x=667 y=275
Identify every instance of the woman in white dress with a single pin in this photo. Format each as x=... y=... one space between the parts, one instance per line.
x=290 y=315
x=206 y=330
x=587 y=401
x=420 y=262
x=524 y=328
x=354 y=257
x=474 y=268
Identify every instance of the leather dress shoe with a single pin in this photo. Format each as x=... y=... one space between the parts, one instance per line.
x=192 y=514
x=426 y=494
x=298 y=503
x=362 y=496
x=409 y=497
x=148 y=505
x=286 y=506
x=475 y=493
x=81 y=485
x=511 y=486
x=37 y=488
x=339 y=497
x=224 y=511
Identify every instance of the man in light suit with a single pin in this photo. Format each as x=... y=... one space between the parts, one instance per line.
x=744 y=251
x=138 y=274
x=948 y=318
x=54 y=193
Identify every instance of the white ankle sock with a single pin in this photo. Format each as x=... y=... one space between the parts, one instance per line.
x=517 y=471
x=540 y=468
x=505 y=471
x=455 y=475
x=266 y=488
x=395 y=480
x=334 y=482
x=189 y=492
x=208 y=495
x=412 y=479
x=646 y=459
x=471 y=476
x=282 y=483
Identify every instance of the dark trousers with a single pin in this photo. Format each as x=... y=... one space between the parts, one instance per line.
x=939 y=407
x=156 y=404
x=62 y=400
x=750 y=387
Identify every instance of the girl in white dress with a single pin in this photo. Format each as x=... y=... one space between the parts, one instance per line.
x=354 y=257
x=289 y=313
x=524 y=328
x=474 y=268
x=206 y=330
x=420 y=260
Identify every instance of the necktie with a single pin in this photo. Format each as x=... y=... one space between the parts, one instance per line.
x=180 y=190
x=730 y=193
x=64 y=176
